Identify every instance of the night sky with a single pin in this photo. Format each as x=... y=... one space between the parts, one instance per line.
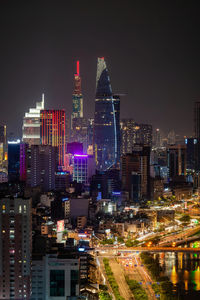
x=152 y=50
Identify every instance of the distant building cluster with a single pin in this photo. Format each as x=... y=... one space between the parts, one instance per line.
x=70 y=177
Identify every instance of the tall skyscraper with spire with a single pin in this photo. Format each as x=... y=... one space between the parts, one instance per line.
x=106 y=121
x=77 y=98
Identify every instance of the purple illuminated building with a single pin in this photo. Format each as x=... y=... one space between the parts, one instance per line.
x=83 y=168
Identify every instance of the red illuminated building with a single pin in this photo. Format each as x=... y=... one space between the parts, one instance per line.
x=52 y=131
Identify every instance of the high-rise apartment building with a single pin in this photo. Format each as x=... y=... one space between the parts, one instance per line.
x=106 y=121
x=144 y=134
x=133 y=133
x=15 y=248
x=52 y=131
x=136 y=172
x=42 y=167
x=31 y=124
x=77 y=97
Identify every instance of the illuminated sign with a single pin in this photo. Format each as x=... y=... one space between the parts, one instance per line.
x=64 y=199
x=60 y=225
x=81 y=249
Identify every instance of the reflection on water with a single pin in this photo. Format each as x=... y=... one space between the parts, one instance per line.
x=183 y=270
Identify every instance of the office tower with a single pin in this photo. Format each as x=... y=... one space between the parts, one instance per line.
x=14 y=160
x=77 y=98
x=52 y=131
x=83 y=168
x=15 y=248
x=106 y=121
x=136 y=170
x=176 y=161
x=79 y=132
x=31 y=124
x=43 y=166
x=80 y=168
x=3 y=155
x=197 y=119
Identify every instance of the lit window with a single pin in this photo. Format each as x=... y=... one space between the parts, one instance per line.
x=20 y=209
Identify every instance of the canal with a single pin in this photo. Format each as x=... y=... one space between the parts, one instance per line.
x=183 y=270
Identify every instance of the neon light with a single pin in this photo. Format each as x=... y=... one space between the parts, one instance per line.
x=81 y=155
x=65 y=199
x=116 y=193
x=81 y=249
x=14 y=142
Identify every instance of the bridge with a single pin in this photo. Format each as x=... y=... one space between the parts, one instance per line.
x=148 y=249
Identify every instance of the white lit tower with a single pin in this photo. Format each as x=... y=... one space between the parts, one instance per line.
x=31 y=124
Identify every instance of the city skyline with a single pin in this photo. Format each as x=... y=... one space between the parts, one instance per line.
x=152 y=53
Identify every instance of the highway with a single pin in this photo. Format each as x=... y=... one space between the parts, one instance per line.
x=136 y=271
x=119 y=277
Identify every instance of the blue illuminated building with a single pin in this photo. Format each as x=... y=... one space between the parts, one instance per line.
x=106 y=121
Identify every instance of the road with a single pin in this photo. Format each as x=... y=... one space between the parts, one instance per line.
x=100 y=265
x=119 y=277
x=135 y=270
x=179 y=236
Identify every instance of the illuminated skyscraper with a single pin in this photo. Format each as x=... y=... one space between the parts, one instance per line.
x=77 y=98
x=106 y=120
x=52 y=131
x=31 y=124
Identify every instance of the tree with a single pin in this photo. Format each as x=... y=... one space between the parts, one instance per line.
x=185 y=219
x=120 y=239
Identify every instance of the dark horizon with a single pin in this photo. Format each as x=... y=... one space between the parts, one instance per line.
x=151 y=50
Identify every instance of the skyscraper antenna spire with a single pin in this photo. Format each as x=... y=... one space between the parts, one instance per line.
x=77 y=68
x=42 y=100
